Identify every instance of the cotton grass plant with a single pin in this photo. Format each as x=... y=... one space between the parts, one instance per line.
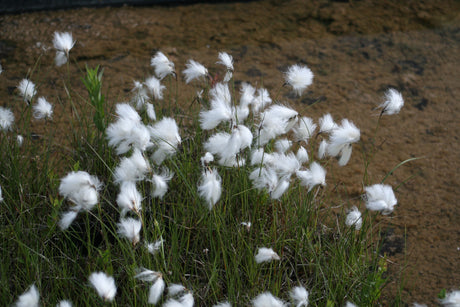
x=231 y=210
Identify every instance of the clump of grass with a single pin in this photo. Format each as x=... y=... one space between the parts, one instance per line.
x=265 y=191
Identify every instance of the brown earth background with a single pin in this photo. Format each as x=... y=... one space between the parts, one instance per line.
x=356 y=49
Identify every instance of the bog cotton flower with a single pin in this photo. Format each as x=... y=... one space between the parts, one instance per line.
x=80 y=188
x=155 y=87
x=193 y=71
x=129 y=198
x=133 y=168
x=160 y=183
x=64 y=303
x=156 y=290
x=354 y=218
x=163 y=66
x=304 y=129
x=29 y=298
x=393 y=102
x=128 y=131
x=299 y=77
x=63 y=41
x=267 y=299
x=165 y=137
x=299 y=296
x=341 y=140
x=43 y=109
x=6 y=119
x=316 y=175
x=226 y=60
x=266 y=255
x=154 y=247
x=104 y=285
x=130 y=228
x=380 y=197
x=210 y=187
x=452 y=299
x=27 y=90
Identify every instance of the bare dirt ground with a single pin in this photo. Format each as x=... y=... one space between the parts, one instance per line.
x=357 y=49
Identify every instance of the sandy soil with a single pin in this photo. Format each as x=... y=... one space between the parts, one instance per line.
x=356 y=49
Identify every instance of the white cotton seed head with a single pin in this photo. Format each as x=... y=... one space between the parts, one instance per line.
x=163 y=66
x=160 y=183
x=104 y=285
x=187 y=300
x=6 y=119
x=193 y=71
x=210 y=187
x=156 y=291
x=302 y=155
x=380 y=197
x=452 y=299
x=130 y=228
x=266 y=255
x=267 y=299
x=64 y=303
x=226 y=60
x=63 y=41
x=42 y=109
x=30 y=298
x=280 y=188
x=150 y=111
x=129 y=198
x=80 y=188
x=175 y=289
x=154 y=247
x=155 y=87
x=247 y=93
x=299 y=77
x=322 y=149
x=327 y=124
x=166 y=139
x=350 y=304
x=354 y=218
x=223 y=304
x=27 y=90
x=393 y=102
x=299 y=296
x=133 y=168
x=312 y=177
x=282 y=145
x=67 y=219
x=304 y=129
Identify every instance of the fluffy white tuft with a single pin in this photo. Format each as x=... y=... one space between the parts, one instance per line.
x=163 y=66
x=193 y=71
x=267 y=299
x=210 y=187
x=380 y=197
x=30 y=298
x=299 y=296
x=104 y=285
x=42 y=109
x=27 y=90
x=393 y=102
x=299 y=77
x=265 y=254
x=354 y=218
x=129 y=198
x=6 y=119
x=130 y=228
x=316 y=175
